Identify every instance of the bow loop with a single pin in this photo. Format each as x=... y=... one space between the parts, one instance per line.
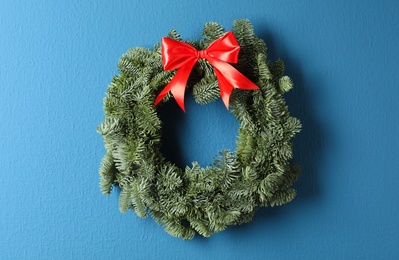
x=176 y=54
x=225 y=48
x=183 y=56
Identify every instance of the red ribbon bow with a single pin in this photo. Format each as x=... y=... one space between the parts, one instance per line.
x=183 y=56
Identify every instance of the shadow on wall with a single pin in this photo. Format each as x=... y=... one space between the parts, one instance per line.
x=310 y=143
x=172 y=118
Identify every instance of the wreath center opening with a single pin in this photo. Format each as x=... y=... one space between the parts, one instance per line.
x=197 y=135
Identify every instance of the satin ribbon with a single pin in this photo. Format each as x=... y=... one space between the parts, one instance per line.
x=183 y=56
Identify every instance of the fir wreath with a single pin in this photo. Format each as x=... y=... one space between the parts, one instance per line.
x=199 y=200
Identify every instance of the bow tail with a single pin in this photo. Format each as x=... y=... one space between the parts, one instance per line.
x=230 y=78
x=177 y=86
x=162 y=94
x=225 y=88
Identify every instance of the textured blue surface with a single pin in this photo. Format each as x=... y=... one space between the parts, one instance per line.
x=57 y=58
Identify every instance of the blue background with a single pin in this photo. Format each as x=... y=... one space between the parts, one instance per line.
x=57 y=58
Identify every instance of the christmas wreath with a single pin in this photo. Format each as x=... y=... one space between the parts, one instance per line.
x=200 y=200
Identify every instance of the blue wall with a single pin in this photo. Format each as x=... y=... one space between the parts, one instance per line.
x=57 y=58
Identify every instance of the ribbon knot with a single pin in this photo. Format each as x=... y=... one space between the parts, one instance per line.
x=183 y=56
x=201 y=54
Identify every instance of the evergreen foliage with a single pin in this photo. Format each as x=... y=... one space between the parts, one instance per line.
x=195 y=199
